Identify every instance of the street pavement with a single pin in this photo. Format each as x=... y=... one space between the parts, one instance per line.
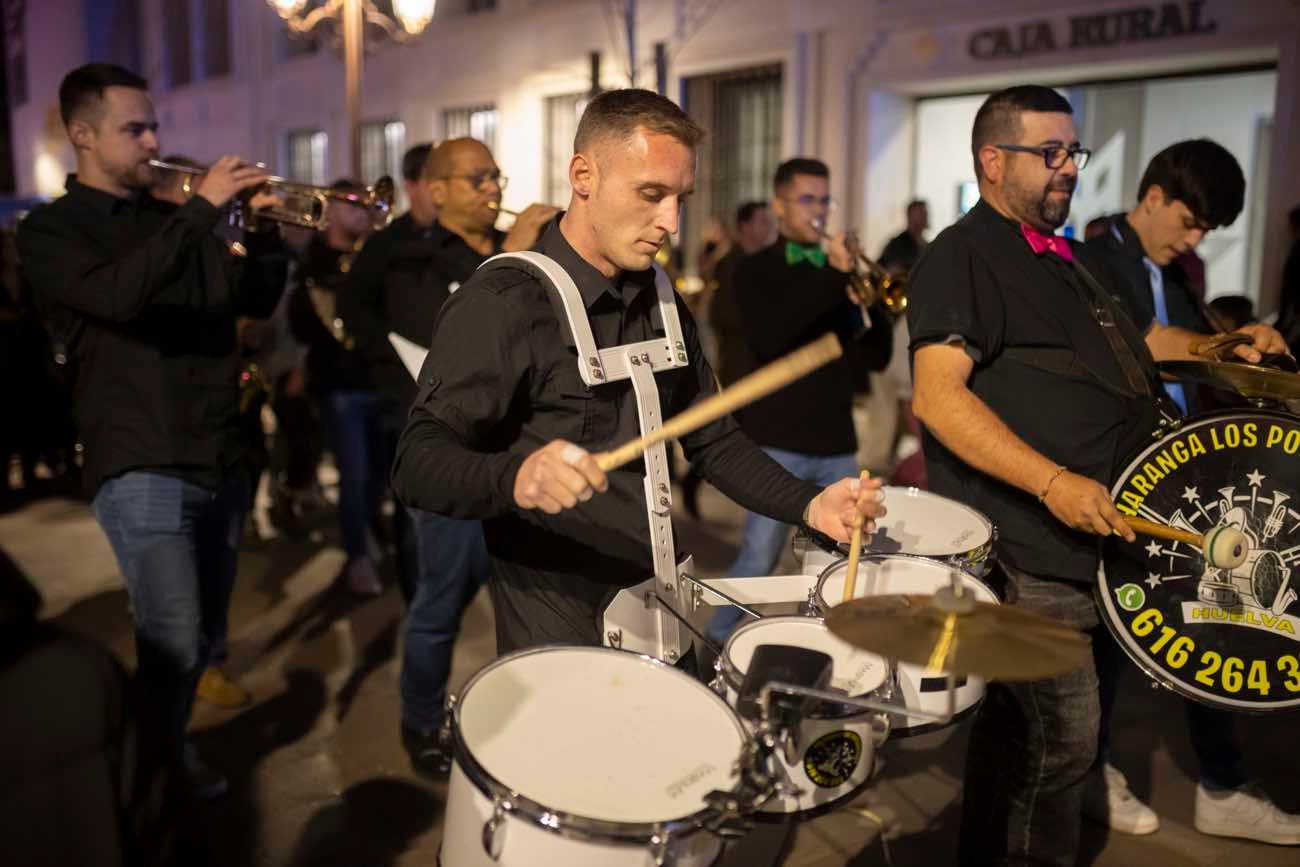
x=318 y=776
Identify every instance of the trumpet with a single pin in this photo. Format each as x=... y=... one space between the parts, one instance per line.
x=303 y=205
x=870 y=281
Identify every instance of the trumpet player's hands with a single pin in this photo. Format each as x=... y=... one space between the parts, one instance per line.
x=1080 y=503
x=558 y=476
x=528 y=225
x=832 y=511
x=263 y=199
x=228 y=177
x=838 y=254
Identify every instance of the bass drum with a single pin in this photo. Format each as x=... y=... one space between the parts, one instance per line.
x=1228 y=638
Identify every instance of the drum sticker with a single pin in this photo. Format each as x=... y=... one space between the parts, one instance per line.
x=1228 y=637
x=832 y=758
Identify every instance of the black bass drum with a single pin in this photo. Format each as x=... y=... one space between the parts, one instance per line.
x=1225 y=638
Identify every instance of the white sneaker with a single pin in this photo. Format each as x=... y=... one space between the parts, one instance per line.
x=1245 y=812
x=1108 y=801
x=362 y=579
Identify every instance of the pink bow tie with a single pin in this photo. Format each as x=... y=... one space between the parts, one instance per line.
x=1040 y=243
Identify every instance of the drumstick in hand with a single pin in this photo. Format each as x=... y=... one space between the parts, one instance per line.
x=855 y=545
x=1223 y=547
x=760 y=383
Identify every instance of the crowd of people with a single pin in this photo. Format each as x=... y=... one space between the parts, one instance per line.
x=174 y=363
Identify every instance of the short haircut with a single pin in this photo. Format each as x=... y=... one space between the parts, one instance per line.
x=83 y=88
x=618 y=114
x=748 y=211
x=413 y=160
x=1203 y=176
x=786 y=172
x=916 y=203
x=998 y=119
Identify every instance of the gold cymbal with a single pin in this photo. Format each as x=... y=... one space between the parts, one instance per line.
x=1247 y=380
x=960 y=635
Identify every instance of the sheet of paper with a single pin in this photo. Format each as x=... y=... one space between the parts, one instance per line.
x=412 y=354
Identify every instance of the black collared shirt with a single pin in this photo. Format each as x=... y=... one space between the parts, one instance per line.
x=399 y=281
x=1042 y=364
x=145 y=296
x=783 y=307
x=501 y=380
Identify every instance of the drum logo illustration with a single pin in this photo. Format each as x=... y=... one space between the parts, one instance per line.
x=1227 y=637
x=832 y=758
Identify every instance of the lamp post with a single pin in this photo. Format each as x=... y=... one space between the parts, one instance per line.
x=353 y=15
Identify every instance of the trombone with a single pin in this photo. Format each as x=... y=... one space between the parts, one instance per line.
x=303 y=205
x=870 y=281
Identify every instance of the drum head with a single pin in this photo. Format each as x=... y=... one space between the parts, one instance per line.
x=1226 y=638
x=928 y=525
x=883 y=574
x=599 y=733
x=854 y=671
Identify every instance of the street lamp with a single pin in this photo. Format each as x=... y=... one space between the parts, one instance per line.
x=412 y=17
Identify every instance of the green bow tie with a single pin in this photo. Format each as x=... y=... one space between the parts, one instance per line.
x=796 y=253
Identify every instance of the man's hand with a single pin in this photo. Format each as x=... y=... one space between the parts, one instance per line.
x=837 y=253
x=228 y=177
x=831 y=512
x=528 y=225
x=1266 y=340
x=1082 y=504
x=558 y=476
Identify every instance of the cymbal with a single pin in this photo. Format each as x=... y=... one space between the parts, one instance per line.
x=994 y=641
x=1248 y=380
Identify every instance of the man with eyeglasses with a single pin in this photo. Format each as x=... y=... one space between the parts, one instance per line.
x=1033 y=385
x=444 y=559
x=786 y=295
x=1189 y=189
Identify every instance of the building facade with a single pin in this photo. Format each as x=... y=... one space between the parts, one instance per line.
x=882 y=90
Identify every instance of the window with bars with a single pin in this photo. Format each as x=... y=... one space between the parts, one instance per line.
x=475 y=121
x=383 y=142
x=215 y=38
x=562 y=115
x=180 y=58
x=198 y=40
x=308 y=152
x=742 y=110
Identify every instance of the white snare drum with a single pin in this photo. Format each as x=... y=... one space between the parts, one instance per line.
x=586 y=757
x=924 y=525
x=884 y=574
x=836 y=749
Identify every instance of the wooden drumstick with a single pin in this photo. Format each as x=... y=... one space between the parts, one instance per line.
x=1223 y=547
x=760 y=383
x=855 y=546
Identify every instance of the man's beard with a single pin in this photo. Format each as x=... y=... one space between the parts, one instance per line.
x=1040 y=207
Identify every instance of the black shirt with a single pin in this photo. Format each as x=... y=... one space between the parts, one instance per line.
x=900 y=253
x=316 y=321
x=783 y=307
x=145 y=296
x=734 y=356
x=501 y=380
x=399 y=281
x=1043 y=364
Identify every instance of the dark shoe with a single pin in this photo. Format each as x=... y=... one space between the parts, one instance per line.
x=205 y=783
x=429 y=757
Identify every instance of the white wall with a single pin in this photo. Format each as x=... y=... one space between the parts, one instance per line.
x=943 y=160
x=1226 y=109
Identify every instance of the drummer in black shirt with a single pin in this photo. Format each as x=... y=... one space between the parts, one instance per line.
x=503 y=426
x=398 y=285
x=1032 y=385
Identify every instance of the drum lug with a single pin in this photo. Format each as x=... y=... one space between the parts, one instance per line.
x=493 y=839
x=718 y=684
x=881 y=727
x=659 y=849
x=615 y=638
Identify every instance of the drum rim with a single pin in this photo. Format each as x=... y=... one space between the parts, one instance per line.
x=733 y=678
x=574 y=826
x=818 y=599
x=1105 y=604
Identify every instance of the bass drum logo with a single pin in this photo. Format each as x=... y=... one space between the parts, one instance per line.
x=1226 y=637
x=832 y=758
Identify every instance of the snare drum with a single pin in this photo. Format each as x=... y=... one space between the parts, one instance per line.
x=884 y=574
x=924 y=525
x=836 y=745
x=586 y=757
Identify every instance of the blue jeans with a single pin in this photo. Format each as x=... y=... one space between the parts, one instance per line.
x=177 y=544
x=452 y=565
x=760 y=549
x=363 y=448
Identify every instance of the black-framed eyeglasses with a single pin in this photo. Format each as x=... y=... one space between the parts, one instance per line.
x=1054 y=156
x=478 y=179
